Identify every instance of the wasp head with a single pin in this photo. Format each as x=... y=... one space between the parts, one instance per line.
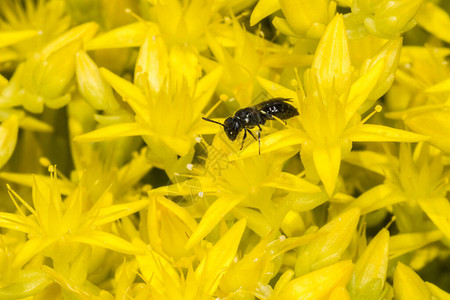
x=232 y=127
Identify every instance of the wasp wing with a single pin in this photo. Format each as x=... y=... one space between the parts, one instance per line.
x=277 y=107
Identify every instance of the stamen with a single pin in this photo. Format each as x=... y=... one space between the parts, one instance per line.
x=134 y=15
x=299 y=86
x=441 y=184
x=377 y=109
x=13 y=195
x=393 y=219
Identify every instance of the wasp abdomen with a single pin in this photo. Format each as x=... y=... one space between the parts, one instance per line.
x=277 y=107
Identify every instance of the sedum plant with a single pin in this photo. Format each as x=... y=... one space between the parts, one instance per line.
x=112 y=186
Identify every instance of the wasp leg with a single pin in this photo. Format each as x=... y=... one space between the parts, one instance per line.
x=251 y=133
x=243 y=139
x=272 y=117
x=259 y=140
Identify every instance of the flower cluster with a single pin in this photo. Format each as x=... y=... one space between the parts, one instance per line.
x=113 y=186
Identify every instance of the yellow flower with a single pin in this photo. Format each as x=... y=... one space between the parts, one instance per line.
x=329 y=112
x=45 y=77
x=421 y=80
x=415 y=182
x=263 y=262
x=169 y=228
x=246 y=57
x=167 y=99
x=318 y=284
x=202 y=280
x=369 y=277
x=333 y=239
x=245 y=188
x=27 y=27
x=24 y=120
x=159 y=204
x=382 y=18
x=55 y=225
x=306 y=17
x=433 y=122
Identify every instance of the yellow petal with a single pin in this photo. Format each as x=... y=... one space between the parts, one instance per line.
x=262 y=9
x=333 y=239
x=390 y=54
x=408 y=285
x=205 y=88
x=30 y=249
x=303 y=14
x=49 y=76
x=82 y=32
x=327 y=162
x=15 y=222
x=272 y=142
x=255 y=262
x=92 y=86
x=435 y=124
x=437 y=292
x=25 y=284
x=129 y=92
x=152 y=63
x=33 y=124
x=332 y=59
x=276 y=90
x=217 y=260
x=109 y=241
x=379 y=133
x=132 y=35
x=293 y=224
x=212 y=217
x=8 y=54
x=440 y=87
x=403 y=243
x=373 y=161
x=114 y=131
x=284 y=280
x=381 y=196
x=339 y=293
x=8 y=38
x=438 y=210
x=289 y=182
x=318 y=284
x=435 y=20
x=179 y=211
x=8 y=138
x=114 y=212
x=372 y=266
x=361 y=89
x=282 y=25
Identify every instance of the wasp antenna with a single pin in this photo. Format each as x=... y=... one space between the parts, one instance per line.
x=206 y=119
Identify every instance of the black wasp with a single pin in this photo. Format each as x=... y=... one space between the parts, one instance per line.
x=249 y=117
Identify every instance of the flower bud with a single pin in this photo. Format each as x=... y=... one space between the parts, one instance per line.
x=92 y=86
